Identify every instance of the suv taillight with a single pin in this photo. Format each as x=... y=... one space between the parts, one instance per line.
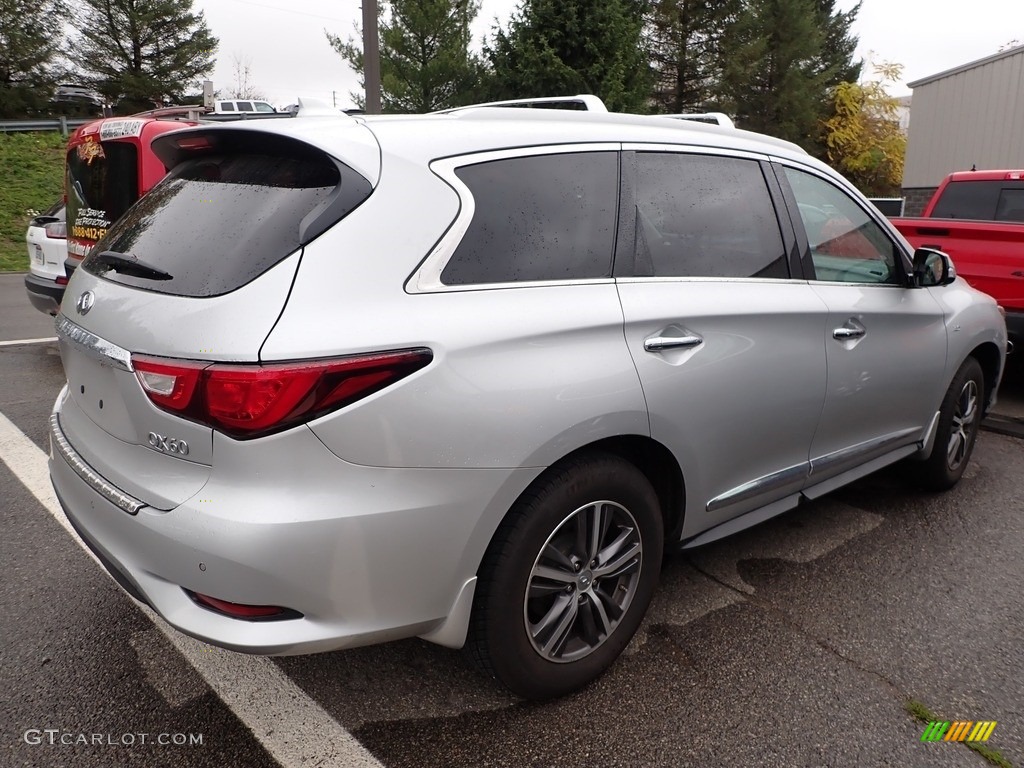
x=58 y=230
x=247 y=401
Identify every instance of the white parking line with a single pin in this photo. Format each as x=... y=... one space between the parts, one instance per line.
x=25 y=342
x=292 y=727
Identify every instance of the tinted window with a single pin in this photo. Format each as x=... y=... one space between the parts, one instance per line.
x=705 y=216
x=245 y=106
x=102 y=183
x=968 y=200
x=1011 y=205
x=227 y=106
x=215 y=223
x=847 y=245
x=549 y=217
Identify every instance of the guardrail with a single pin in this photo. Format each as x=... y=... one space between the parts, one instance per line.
x=62 y=124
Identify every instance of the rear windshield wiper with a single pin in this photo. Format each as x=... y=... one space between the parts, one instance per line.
x=126 y=264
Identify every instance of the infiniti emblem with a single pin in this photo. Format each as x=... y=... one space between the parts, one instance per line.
x=85 y=302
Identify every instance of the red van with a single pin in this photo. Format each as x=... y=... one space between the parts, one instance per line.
x=109 y=166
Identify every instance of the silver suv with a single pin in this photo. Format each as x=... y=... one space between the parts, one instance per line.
x=466 y=377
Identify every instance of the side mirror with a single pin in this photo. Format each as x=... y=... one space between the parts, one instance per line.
x=932 y=268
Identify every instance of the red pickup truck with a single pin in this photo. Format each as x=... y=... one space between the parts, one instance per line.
x=977 y=217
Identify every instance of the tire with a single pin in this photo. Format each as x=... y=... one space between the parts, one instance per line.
x=959 y=421
x=568 y=577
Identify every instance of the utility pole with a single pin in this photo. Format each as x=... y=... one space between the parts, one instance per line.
x=371 y=57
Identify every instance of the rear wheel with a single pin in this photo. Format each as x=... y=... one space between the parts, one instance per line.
x=959 y=421
x=568 y=577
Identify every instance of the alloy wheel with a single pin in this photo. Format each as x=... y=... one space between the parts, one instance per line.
x=965 y=414
x=582 y=582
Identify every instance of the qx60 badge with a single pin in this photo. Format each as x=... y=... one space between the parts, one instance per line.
x=168 y=444
x=85 y=302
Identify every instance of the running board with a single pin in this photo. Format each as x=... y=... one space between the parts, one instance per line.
x=767 y=512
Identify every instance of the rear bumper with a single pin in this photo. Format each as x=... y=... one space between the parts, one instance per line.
x=44 y=293
x=364 y=554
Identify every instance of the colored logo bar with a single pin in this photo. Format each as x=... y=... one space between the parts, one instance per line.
x=958 y=730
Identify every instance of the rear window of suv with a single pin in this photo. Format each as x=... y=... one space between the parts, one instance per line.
x=220 y=220
x=544 y=217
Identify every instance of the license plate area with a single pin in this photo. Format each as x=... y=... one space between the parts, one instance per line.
x=96 y=389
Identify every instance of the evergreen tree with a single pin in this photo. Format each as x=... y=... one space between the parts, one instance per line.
x=684 y=39
x=138 y=52
x=838 y=44
x=565 y=47
x=30 y=38
x=771 y=74
x=425 y=62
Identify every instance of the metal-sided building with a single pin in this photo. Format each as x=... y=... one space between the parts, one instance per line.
x=971 y=116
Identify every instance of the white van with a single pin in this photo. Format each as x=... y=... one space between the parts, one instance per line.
x=233 y=106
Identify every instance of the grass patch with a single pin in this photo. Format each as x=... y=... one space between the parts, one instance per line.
x=31 y=178
x=921 y=713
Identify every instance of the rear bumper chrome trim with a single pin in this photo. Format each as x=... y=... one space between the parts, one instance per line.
x=120 y=499
x=92 y=345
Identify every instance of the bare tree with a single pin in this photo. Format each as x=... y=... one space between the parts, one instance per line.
x=243 y=86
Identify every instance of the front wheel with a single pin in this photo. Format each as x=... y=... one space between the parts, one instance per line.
x=568 y=577
x=959 y=421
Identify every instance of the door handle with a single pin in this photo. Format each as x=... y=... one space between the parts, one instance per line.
x=661 y=343
x=848 y=333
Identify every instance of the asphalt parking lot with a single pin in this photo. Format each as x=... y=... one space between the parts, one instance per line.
x=798 y=643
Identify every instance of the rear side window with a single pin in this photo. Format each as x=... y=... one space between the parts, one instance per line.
x=218 y=221
x=102 y=183
x=705 y=216
x=544 y=217
x=1011 y=205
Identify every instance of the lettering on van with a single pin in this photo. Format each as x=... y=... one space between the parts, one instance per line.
x=90 y=224
x=90 y=150
x=119 y=129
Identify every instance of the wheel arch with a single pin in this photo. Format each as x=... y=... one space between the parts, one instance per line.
x=989 y=358
x=657 y=464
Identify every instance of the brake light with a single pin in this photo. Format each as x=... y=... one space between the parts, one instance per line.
x=1014 y=176
x=252 y=400
x=58 y=230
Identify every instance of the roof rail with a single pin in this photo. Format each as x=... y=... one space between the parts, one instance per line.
x=582 y=102
x=186 y=110
x=711 y=118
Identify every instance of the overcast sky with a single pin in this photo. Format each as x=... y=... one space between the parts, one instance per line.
x=288 y=55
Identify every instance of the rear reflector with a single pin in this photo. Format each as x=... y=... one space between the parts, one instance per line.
x=253 y=400
x=241 y=610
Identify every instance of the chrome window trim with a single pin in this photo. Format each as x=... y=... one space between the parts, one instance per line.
x=695 y=149
x=706 y=279
x=115 y=496
x=92 y=345
x=427 y=277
